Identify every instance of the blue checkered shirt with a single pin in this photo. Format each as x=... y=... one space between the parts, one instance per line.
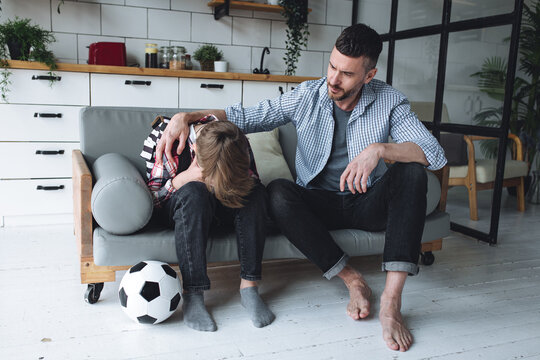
x=382 y=111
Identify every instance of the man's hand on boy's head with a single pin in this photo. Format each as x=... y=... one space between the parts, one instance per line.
x=177 y=129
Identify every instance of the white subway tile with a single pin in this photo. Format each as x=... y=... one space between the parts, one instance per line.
x=113 y=2
x=74 y=17
x=241 y=13
x=339 y=12
x=67 y=61
x=318 y=11
x=157 y=4
x=254 y=32
x=191 y=5
x=239 y=58
x=322 y=37
x=169 y=25
x=65 y=46
x=123 y=21
x=279 y=34
x=84 y=41
x=310 y=64
x=37 y=10
x=326 y=61
x=205 y=29
x=135 y=49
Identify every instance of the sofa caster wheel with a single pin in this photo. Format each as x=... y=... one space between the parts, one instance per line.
x=93 y=292
x=427 y=258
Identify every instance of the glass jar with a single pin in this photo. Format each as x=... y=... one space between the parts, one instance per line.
x=151 y=56
x=189 y=64
x=177 y=60
x=164 y=57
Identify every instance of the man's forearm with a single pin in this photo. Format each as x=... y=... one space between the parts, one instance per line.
x=404 y=152
x=192 y=117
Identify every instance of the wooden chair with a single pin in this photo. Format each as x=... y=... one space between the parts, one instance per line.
x=480 y=174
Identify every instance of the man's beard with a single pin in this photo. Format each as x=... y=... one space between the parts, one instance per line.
x=345 y=95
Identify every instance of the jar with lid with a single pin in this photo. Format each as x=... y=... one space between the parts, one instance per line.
x=189 y=64
x=177 y=61
x=151 y=56
x=164 y=56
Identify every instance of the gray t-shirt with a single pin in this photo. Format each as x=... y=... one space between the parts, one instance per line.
x=328 y=178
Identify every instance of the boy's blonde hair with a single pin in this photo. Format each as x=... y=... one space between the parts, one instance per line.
x=223 y=155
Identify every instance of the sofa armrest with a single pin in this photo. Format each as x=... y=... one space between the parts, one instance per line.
x=442 y=175
x=82 y=194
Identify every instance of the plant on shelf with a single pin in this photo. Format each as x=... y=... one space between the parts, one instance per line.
x=206 y=55
x=25 y=42
x=525 y=115
x=295 y=13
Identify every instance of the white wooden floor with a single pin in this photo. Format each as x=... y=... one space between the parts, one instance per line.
x=475 y=302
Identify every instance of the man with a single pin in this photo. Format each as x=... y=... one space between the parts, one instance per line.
x=343 y=123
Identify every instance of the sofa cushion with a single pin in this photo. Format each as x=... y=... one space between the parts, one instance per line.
x=268 y=155
x=121 y=202
x=433 y=192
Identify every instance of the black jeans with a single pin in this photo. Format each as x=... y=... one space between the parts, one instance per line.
x=193 y=210
x=395 y=203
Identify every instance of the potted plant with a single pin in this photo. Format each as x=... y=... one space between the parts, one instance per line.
x=25 y=42
x=206 y=55
x=525 y=115
x=295 y=13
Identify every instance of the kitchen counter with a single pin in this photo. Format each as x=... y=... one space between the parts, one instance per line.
x=127 y=70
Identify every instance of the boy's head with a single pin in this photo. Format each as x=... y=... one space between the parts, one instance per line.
x=223 y=155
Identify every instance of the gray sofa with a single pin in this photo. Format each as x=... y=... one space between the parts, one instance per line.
x=106 y=130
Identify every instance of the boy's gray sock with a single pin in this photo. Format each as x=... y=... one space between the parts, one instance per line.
x=195 y=314
x=258 y=311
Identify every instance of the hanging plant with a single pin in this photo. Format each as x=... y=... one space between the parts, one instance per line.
x=295 y=13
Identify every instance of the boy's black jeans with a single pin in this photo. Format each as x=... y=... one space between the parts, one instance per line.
x=395 y=203
x=193 y=210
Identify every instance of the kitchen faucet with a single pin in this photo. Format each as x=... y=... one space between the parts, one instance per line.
x=260 y=70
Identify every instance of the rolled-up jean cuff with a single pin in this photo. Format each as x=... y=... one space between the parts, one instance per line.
x=336 y=269
x=411 y=268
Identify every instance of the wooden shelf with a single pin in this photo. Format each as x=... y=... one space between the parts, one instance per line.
x=246 y=5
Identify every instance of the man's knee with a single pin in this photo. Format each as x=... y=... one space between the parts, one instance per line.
x=280 y=192
x=412 y=175
x=194 y=194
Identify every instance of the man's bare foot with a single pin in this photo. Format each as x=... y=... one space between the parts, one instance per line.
x=359 y=292
x=396 y=335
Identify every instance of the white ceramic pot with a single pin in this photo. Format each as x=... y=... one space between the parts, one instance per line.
x=272 y=2
x=220 y=66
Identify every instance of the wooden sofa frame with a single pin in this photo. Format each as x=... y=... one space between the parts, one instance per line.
x=95 y=275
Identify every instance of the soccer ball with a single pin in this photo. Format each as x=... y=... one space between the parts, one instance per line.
x=149 y=292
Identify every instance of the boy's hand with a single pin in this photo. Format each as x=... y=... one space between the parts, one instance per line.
x=192 y=173
x=177 y=129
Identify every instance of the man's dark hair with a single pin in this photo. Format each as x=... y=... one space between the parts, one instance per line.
x=360 y=40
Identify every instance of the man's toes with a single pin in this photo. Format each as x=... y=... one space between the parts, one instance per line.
x=391 y=343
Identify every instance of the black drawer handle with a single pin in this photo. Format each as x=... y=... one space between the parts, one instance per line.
x=49 y=152
x=46 y=77
x=47 y=188
x=137 y=82
x=47 y=115
x=212 y=86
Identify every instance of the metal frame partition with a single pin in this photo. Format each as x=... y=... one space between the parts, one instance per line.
x=444 y=29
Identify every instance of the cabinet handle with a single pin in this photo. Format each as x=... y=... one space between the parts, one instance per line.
x=46 y=77
x=212 y=86
x=46 y=188
x=137 y=82
x=281 y=90
x=49 y=152
x=47 y=115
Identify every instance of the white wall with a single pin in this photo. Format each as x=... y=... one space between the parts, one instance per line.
x=189 y=23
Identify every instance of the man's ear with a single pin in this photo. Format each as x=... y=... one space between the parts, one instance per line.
x=370 y=75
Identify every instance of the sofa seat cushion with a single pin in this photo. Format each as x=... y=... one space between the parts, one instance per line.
x=157 y=243
x=121 y=202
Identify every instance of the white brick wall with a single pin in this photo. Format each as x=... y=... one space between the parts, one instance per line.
x=188 y=23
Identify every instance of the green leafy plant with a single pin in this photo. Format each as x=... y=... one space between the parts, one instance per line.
x=295 y=13
x=525 y=114
x=25 y=42
x=206 y=54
